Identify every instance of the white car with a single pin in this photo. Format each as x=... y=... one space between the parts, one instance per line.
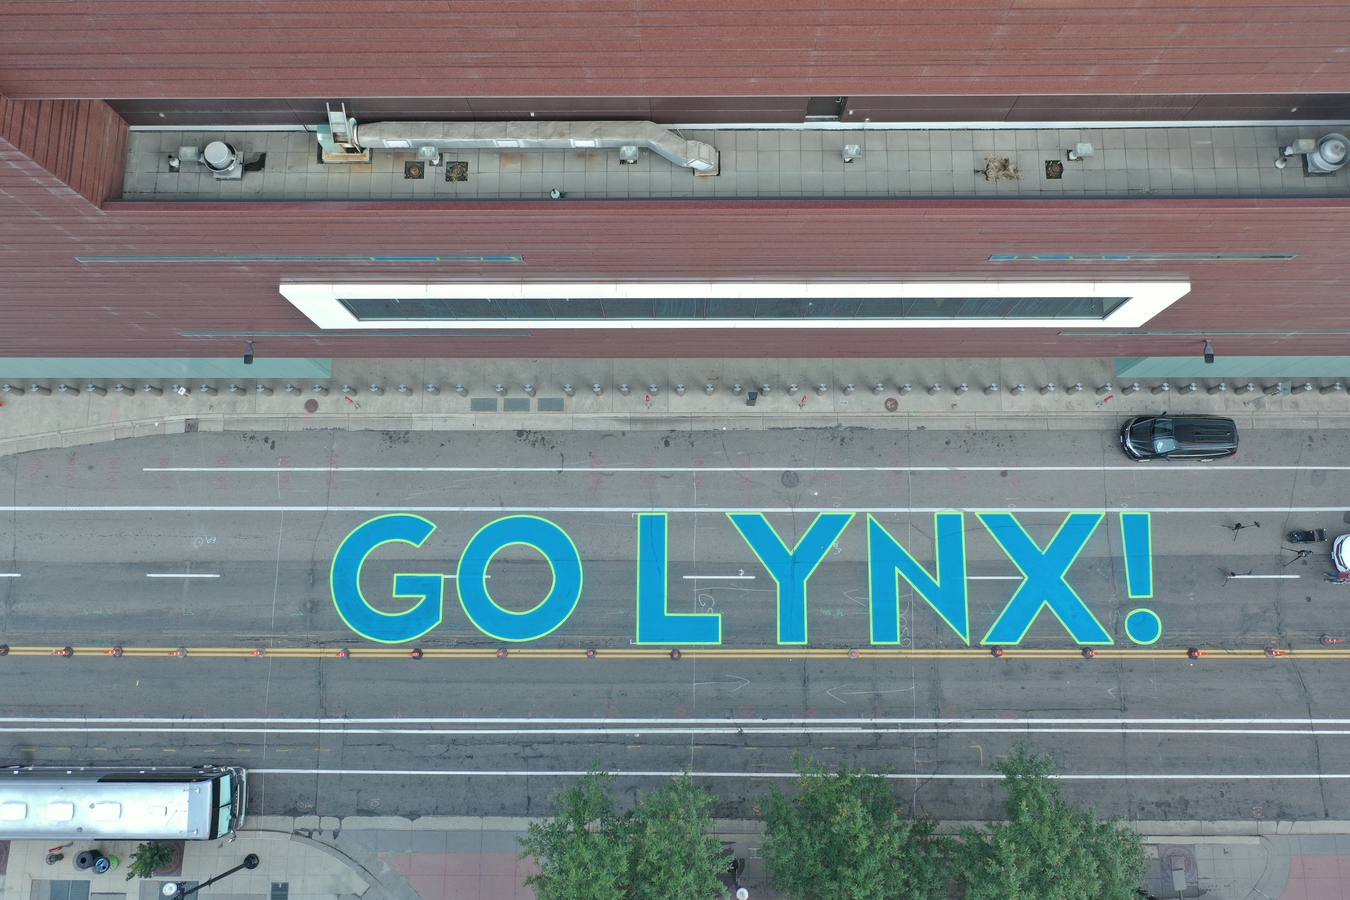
x=1340 y=553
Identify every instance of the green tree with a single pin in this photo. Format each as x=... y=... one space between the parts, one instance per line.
x=149 y=857
x=662 y=848
x=842 y=836
x=583 y=851
x=674 y=852
x=1047 y=850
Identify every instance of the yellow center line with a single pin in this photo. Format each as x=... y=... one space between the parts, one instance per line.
x=658 y=653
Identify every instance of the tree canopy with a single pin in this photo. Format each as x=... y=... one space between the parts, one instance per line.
x=1047 y=850
x=661 y=848
x=841 y=836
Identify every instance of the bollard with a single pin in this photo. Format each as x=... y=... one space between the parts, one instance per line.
x=1019 y=389
x=1105 y=389
x=459 y=389
x=651 y=388
x=207 y=389
x=962 y=388
x=432 y=389
x=500 y=388
x=1132 y=388
x=935 y=389
x=1160 y=388
x=152 y=390
x=15 y=389
x=375 y=389
x=708 y=389
x=595 y=389
x=263 y=390
x=96 y=389
x=1247 y=388
x=290 y=389
x=234 y=389
x=1189 y=388
x=1075 y=388
x=124 y=388
x=1047 y=389
x=348 y=390
x=878 y=388
x=1325 y=389
x=625 y=389
x=904 y=388
x=39 y=389
x=822 y=388
x=792 y=388
x=569 y=390
x=529 y=389
x=1272 y=390
x=679 y=389
x=991 y=388
x=403 y=389
x=68 y=389
x=736 y=389
x=321 y=390
x=1217 y=388
x=1306 y=387
x=763 y=389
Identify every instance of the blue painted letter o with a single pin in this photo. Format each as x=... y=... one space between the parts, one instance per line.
x=562 y=557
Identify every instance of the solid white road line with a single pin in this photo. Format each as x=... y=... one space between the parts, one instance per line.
x=178 y=575
x=10 y=575
x=561 y=720
x=628 y=731
x=1235 y=577
x=719 y=578
x=633 y=510
x=994 y=578
x=699 y=470
x=894 y=776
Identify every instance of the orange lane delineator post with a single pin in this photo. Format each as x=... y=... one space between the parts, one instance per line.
x=1194 y=652
x=1089 y=653
x=115 y=651
x=853 y=654
x=590 y=653
x=344 y=653
x=416 y=653
x=180 y=653
x=63 y=651
x=996 y=652
x=1272 y=652
x=675 y=654
x=1328 y=639
x=501 y=653
x=4 y=649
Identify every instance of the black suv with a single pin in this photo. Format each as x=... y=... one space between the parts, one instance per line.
x=1179 y=437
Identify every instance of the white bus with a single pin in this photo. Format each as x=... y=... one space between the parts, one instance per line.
x=57 y=803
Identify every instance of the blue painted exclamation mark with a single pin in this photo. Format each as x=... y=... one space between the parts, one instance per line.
x=1136 y=528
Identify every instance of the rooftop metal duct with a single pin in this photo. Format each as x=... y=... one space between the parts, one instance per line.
x=696 y=155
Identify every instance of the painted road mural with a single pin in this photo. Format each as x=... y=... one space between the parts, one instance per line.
x=892 y=569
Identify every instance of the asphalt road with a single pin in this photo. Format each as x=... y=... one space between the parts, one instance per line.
x=221 y=544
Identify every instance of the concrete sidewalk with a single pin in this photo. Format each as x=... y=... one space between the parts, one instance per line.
x=655 y=395
x=464 y=858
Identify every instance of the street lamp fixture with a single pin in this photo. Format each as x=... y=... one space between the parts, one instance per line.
x=173 y=890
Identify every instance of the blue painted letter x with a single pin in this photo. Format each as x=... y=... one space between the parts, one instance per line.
x=1044 y=586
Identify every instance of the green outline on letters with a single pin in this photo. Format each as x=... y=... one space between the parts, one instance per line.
x=553 y=573
x=1155 y=618
x=665 y=583
x=897 y=574
x=360 y=595
x=1125 y=552
x=1100 y=515
x=806 y=580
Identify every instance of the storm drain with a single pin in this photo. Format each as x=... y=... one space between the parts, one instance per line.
x=281 y=890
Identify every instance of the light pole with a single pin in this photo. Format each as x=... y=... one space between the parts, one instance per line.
x=173 y=890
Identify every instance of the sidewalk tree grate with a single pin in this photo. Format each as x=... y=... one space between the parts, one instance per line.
x=516 y=404
x=68 y=890
x=550 y=404
x=483 y=404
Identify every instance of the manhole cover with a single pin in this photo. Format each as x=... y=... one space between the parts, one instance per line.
x=311 y=405
x=892 y=404
x=790 y=479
